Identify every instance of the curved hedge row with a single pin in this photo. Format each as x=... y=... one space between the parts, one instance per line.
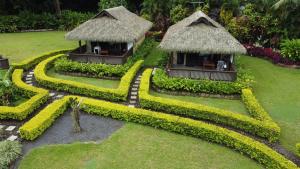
x=20 y=112
x=267 y=130
x=39 y=123
x=163 y=81
x=119 y=94
x=254 y=149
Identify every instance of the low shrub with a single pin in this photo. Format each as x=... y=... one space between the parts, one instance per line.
x=298 y=149
x=246 y=145
x=200 y=112
x=163 y=81
x=71 y=19
x=38 y=97
x=119 y=94
x=44 y=119
x=10 y=151
x=105 y=70
x=291 y=49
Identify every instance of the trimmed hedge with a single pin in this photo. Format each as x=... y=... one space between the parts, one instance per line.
x=20 y=112
x=254 y=149
x=163 y=81
x=253 y=106
x=39 y=123
x=119 y=94
x=264 y=129
x=105 y=70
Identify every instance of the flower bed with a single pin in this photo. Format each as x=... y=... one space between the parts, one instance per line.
x=266 y=129
x=119 y=94
x=38 y=97
x=258 y=151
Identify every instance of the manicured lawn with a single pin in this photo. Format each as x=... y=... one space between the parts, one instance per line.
x=154 y=57
x=278 y=90
x=2 y=73
x=20 y=46
x=92 y=81
x=137 y=147
x=232 y=105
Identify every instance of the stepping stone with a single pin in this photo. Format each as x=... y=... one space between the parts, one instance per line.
x=2 y=126
x=12 y=138
x=29 y=75
x=59 y=96
x=137 y=82
x=28 y=82
x=135 y=85
x=133 y=93
x=132 y=102
x=139 y=78
x=52 y=94
x=133 y=97
x=29 y=79
x=131 y=106
x=134 y=89
x=10 y=128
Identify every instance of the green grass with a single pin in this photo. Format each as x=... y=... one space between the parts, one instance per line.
x=137 y=147
x=154 y=57
x=278 y=90
x=92 y=81
x=20 y=46
x=2 y=73
x=227 y=104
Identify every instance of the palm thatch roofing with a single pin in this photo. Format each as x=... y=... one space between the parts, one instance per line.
x=111 y=25
x=199 y=33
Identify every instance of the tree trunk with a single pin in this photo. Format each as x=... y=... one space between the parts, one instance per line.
x=57 y=7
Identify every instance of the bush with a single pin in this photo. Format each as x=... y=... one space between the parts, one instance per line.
x=119 y=94
x=178 y=13
x=38 y=97
x=258 y=151
x=10 y=151
x=163 y=81
x=44 y=119
x=298 y=149
x=291 y=49
x=201 y=112
x=105 y=4
x=71 y=19
x=105 y=70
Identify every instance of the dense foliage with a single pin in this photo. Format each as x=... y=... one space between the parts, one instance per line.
x=178 y=13
x=10 y=151
x=104 y=4
x=291 y=49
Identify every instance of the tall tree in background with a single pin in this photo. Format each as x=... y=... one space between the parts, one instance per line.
x=57 y=7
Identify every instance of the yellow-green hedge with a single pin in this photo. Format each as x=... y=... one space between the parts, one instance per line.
x=20 y=112
x=298 y=149
x=44 y=119
x=119 y=94
x=246 y=145
x=264 y=129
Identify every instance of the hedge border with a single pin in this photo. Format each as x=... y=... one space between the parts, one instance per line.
x=263 y=129
x=21 y=111
x=252 y=148
x=119 y=94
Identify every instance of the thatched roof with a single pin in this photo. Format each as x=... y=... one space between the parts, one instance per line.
x=111 y=25
x=200 y=34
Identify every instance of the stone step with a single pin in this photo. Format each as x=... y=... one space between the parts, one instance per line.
x=132 y=101
x=133 y=97
x=139 y=76
x=28 y=82
x=29 y=75
x=12 y=138
x=59 y=96
x=52 y=94
x=131 y=106
x=29 y=79
x=137 y=82
x=138 y=79
x=31 y=72
x=10 y=128
x=134 y=89
x=133 y=93
x=135 y=85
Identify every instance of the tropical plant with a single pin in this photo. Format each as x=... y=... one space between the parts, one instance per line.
x=291 y=49
x=104 y=4
x=178 y=13
x=10 y=151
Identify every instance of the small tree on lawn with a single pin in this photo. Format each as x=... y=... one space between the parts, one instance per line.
x=75 y=105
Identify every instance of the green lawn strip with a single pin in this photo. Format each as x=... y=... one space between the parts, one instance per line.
x=92 y=81
x=138 y=147
x=37 y=97
x=20 y=46
x=265 y=129
x=277 y=89
x=154 y=57
x=235 y=106
x=246 y=145
x=2 y=73
x=118 y=94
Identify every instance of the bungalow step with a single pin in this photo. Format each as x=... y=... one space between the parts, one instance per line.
x=135 y=85
x=132 y=102
x=133 y=97
x=29 y=75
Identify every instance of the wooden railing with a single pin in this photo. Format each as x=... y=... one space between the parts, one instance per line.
x=80 y=56
x=203 y=74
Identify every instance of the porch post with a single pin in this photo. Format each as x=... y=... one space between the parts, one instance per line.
x=184 y=60
x=79 y=46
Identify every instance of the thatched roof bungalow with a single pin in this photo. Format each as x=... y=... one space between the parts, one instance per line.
x=201 y=48
x=110 y=36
